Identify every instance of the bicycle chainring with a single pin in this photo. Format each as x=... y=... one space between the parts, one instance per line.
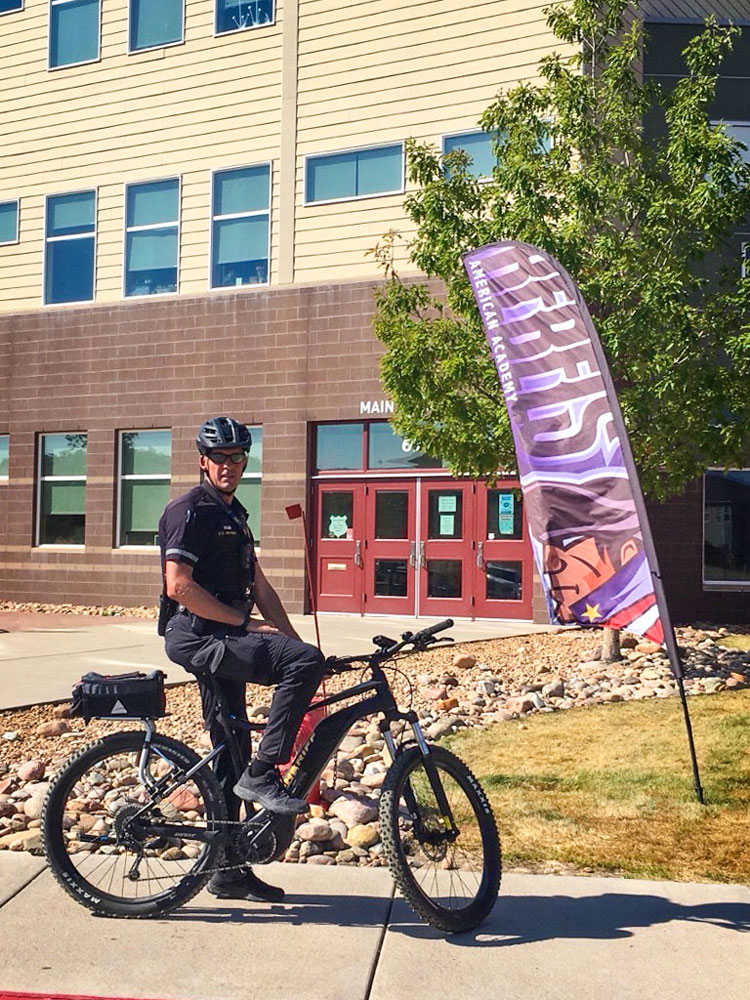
x=255 y=849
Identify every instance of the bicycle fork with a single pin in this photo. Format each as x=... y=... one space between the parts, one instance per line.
x=450 y=830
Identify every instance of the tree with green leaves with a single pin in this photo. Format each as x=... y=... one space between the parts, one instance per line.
x=636 y=193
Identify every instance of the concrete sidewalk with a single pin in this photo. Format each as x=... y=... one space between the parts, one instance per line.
x=39 y=664
x=339 y=935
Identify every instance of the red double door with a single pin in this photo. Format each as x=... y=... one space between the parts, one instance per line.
x=422 y=547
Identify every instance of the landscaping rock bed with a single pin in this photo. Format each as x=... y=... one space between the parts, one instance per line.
x=106 y=611
x=475 y=684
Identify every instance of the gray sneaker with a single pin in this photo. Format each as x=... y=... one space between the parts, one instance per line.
x=269 y=790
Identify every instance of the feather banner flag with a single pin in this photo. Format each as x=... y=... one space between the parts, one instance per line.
x=587 y=519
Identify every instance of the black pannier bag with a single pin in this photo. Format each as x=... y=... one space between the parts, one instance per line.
x=120 y=696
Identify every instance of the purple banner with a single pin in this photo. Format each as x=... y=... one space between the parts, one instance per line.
x=584 y=506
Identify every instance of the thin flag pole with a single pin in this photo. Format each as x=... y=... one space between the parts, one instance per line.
x=670 y=641
x=673 y=653
x=294 y=513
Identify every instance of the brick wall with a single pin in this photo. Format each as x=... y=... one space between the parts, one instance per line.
x=281 y=358
x=677 y=525
x=277 y=358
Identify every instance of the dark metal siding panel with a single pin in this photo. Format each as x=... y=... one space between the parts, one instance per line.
x=663 y=60
x=695 y=10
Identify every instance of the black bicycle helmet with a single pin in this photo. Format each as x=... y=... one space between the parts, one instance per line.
x=222 y=432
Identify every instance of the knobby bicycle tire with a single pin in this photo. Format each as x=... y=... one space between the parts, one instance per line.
x=452 y=884
x=112 y=754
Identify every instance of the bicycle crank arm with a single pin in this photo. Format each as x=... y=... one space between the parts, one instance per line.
x=181 y=831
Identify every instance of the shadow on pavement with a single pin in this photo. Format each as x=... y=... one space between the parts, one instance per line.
x=611 y=915
x=339 y=911
x=514 y=920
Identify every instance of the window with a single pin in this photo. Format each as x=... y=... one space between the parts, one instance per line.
x=69 y=257
x=240 y=227
x=739 y=131
x=388 y=450
x=4 y=448
x=8 y=222
x=504 y=513
x=151 y=238
x=356 y=174
x=338 y=446
x=8 y=6
x=145 y=473
x=62 y=489
x=726 y=527
x=234 y=15
x=73 y=32
x=155 y=22
x=371 y=445
x=479 y=147
x=248 y=492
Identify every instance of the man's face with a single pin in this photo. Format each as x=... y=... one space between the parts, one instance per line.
x=221 y=470
x=574 y=572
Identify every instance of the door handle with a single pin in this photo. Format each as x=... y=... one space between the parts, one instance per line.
x=358 y=553
x=421 y=560
x=413 y=561
x=480 y=555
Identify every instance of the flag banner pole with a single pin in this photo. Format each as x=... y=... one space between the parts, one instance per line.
x=294 y=512
x=587 y=518
x=314 y=714
x=308 y=566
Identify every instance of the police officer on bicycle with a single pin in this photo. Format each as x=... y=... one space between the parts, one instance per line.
x=211 y=573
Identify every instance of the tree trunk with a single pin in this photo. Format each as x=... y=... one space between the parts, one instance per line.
x=610 y=645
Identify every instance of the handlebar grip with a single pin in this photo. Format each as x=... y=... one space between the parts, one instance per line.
x=438 y=627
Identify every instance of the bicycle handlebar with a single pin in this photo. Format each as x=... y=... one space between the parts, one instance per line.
x=438 y=627
x=418 y=641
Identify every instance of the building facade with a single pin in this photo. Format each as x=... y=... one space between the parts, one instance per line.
x=189 y=191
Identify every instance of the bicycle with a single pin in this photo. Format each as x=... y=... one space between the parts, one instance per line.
x=135 y=823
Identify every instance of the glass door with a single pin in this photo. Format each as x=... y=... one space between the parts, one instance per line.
x=502 y=568
x=391 y=548
x=445 y=548
x=340 y=547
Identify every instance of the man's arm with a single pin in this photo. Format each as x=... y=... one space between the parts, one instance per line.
x=181 y=587
x=270 y=606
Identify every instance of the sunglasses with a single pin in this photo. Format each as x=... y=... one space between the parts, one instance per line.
x=222 y=458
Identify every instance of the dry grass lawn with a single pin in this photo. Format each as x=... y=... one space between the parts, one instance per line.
x=736 y=641
x=609 y=789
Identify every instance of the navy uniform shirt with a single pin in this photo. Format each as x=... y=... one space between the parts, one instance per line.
x=213 y=537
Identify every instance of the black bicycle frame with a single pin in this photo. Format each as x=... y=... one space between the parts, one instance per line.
x=312 y=757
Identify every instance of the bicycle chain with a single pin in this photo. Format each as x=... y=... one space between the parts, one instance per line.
x=212 y=871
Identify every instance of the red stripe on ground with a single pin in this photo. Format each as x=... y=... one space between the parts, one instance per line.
x=5 y=995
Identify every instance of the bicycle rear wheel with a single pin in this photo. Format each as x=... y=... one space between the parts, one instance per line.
x=97 y=835
x=450 y=877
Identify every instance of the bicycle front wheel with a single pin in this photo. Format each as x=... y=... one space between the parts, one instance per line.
x=98 y=818
x=446 y=862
